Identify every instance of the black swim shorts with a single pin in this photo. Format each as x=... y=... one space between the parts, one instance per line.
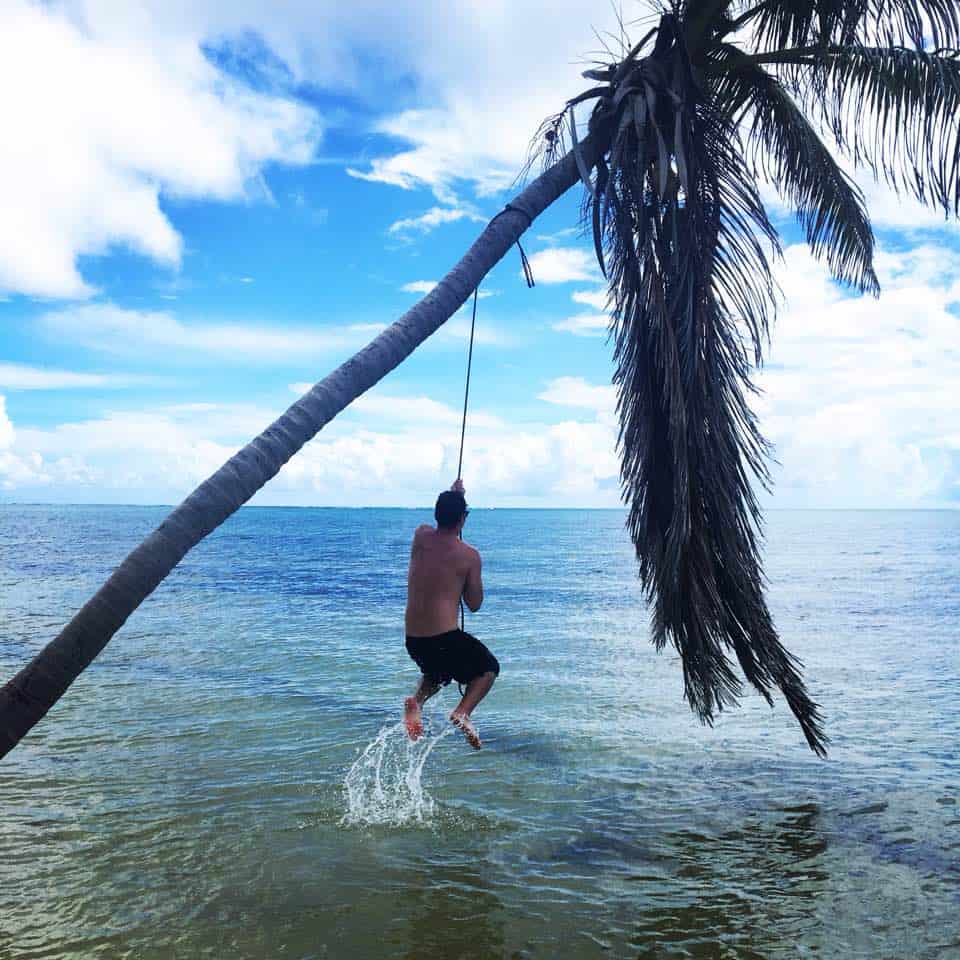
x=454 y=655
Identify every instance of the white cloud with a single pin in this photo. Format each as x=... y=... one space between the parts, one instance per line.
x=886 y=208
x=576 y=392
x=860 y=399
x=160 y=335
x=443 y=154
x=116 y=91
x=433 y=218
x=860 y=394
x=588 y=324
x=391 y=409
x=425 y=286
x=477 y=128
x=457 y=330
x=558 y=236
x=479 y=124
x=592 y=298
x=110 y=114
x=420 y=410
x=385 y=449
x=563 y=265
x=585 y=325
x=16 y=470
x=15 y=376
x=6 y=425
x=112 y=329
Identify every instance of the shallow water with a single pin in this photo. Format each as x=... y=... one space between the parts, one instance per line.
x=190 y=796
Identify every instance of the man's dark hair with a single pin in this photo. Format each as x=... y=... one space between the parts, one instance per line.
x=451 y=507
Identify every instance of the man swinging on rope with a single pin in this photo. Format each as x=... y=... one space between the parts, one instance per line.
x=442 y=570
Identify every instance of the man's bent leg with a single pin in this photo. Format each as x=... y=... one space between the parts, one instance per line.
x=476 y=690
x=412 y=717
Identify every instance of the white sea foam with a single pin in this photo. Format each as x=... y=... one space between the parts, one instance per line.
x=384 y=785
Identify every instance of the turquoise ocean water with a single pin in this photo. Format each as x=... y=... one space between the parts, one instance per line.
x=227 y=780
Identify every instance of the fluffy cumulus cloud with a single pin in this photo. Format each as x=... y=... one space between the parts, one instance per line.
x=564 y=265
x=118 y=114
x=587 y=324
x=494 y=71
x=387 y=448
x=859 y=397
x=860 y=394
x=394 y=449
x=413 y=450
x=17 y=470
x=576 y=392
x=6 y=425
x=131 y=102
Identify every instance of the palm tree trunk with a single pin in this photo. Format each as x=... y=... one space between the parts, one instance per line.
x=26 y=698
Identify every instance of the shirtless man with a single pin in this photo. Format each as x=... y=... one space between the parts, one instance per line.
x=442 y=570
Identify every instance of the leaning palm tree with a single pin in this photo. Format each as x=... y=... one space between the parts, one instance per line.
x=686 y=125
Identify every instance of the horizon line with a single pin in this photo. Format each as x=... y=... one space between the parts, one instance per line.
x=301 y=506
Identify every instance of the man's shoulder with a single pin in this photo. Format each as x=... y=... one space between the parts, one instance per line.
x=422 y=530
x=471 y=551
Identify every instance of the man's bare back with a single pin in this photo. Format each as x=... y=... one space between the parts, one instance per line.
x=444 y=569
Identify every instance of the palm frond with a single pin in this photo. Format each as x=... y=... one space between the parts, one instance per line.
x=908 y=21
x=788 y=152
x=779 y=24
x=677 y=212
x=896 y=111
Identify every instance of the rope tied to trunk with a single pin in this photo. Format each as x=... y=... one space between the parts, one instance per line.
x=524 y=262
x=528 y=277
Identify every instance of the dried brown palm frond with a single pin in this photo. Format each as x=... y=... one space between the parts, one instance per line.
x=719 y=95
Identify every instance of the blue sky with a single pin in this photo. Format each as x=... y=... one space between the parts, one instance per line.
x=209 y=206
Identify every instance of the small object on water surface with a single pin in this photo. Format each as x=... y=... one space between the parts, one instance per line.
x=384 y=784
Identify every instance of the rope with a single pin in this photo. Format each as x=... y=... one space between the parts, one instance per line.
x=528 y=276
x=466 y=389
x=524 y=262
x=463 y=425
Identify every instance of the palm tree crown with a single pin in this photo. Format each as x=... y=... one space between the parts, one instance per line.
x=715 y=100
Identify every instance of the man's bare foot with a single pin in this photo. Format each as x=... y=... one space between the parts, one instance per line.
x=462 y=721
x=412 y=719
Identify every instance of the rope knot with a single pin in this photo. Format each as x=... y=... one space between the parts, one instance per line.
x=524 y=261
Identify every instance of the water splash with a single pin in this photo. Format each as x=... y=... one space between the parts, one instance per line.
x=384 y=784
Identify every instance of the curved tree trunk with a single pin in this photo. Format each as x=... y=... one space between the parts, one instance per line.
x=37 y=687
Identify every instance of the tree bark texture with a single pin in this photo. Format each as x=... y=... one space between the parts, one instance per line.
x=26 y=698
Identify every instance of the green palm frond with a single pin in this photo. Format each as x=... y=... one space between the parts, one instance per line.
x=895 y=110
x=788 y=152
